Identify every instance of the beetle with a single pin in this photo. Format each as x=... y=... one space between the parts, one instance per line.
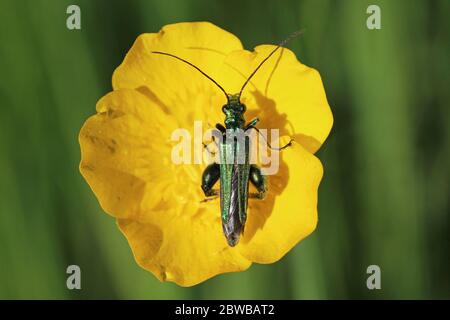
x=234 y=170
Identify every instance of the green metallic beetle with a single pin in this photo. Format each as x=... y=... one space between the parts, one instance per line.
x=234 y=170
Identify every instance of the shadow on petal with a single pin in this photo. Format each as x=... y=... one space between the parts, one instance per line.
x=260 y=210
x=145 y=90
x=309 y=143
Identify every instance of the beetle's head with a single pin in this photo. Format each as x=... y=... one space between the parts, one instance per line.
x=234 y=111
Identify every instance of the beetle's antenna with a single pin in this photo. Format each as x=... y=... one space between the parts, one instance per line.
x=281 y=44
x=197 y=68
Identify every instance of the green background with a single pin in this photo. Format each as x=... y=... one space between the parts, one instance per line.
x=384 y=198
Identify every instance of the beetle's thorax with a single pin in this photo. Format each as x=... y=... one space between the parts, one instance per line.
x=234 y=112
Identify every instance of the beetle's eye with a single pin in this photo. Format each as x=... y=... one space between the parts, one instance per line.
x=224 y=108
x=243 y=108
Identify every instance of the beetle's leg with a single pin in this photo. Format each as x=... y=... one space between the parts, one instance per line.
x=259 y=181
x=268 y=144
x=221 y=128
x=213 y=140
x=205 y=146
x=210 y=198
x=252 y=123
x=209 y=178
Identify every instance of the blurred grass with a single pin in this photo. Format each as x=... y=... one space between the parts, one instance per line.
x=384 y=198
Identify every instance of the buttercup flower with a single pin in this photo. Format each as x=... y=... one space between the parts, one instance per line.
x=126 y=151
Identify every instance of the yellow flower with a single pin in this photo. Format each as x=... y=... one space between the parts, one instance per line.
x=126 y=151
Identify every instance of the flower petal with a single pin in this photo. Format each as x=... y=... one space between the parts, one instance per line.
x=185 y=250
x=125 y=153
x=289 y=213
x=170 y=82
x=283 y=93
